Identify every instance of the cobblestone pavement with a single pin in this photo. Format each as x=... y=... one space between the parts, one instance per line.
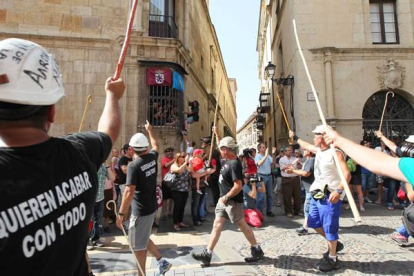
x=368 y=248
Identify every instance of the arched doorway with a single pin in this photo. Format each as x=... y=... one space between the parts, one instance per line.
x=398 y=119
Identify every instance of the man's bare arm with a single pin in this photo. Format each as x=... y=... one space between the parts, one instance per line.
x=110 y=121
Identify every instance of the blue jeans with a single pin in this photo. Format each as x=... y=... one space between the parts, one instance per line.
x=268 y=182
x=392 y=185
x=97 y=215
x=403 y=231
x=367 y=180
x=196 y=200
x=307 y=204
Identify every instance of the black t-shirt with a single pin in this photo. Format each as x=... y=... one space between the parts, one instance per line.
x=217 y=157
x=194 y=113
x=124 y=161
x=47 y=197
x=142 y=172
x=231 y=171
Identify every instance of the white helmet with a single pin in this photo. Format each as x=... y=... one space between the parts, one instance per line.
x=29 y=76
x=139 y=141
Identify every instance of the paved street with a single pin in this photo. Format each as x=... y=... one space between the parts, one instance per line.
x=368 y=249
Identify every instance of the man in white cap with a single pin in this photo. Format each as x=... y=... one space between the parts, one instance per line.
x=230 y=204
x=48 y=184
x=141 y=184
x=327 y=194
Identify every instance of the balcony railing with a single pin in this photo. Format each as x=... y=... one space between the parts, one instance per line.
x=264 y=101
x=162 y=26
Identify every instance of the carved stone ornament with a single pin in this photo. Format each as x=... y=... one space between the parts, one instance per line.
x=391 y=75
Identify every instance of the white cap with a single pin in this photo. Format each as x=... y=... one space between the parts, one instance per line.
x=139 y=141
x=228 y=142
x=319 y=129
x=29 y=74
x=410 y=139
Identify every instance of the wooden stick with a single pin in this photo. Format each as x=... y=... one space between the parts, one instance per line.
x=126 y=41
x=214 y=124
x=88 y=102
x=283 y=110
x=348 y=192
x=385 y=106
x=125 y=235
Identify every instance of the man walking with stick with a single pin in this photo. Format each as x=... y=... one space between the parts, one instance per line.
x=230 y=204
x=48 y=184
x=327 y=195
x=140 y=189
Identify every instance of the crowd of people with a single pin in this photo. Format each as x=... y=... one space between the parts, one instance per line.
x=47 y=210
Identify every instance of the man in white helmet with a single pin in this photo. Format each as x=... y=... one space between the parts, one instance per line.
x=48 y=184
x=141 y=183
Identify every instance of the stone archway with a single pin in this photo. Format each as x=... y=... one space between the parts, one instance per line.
x=398 y=119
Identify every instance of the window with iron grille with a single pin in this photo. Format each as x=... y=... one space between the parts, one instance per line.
x=166 y=106
x=384 y=24
x=162 y=19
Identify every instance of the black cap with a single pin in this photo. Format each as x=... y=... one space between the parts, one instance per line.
x=13 y=112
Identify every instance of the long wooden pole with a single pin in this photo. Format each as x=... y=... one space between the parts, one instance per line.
x=348 y=192
x=385 y=106
x=125 y=235
x=214 y=124
x=282 y=109
x=126 y=41
x=88 y=102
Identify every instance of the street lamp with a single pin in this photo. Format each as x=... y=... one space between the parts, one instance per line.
x=270 y=70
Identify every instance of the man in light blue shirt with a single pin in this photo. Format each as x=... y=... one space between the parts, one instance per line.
x=264 y=164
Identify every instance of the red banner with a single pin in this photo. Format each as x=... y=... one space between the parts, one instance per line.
x=159 y=76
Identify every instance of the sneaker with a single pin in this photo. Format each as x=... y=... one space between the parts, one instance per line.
x=391 y=208
x=362 y=209
x=270 y=214
x=328 y=264
x=289 y=215
x=90 y=246
x=98 y=243
x=302 y=231
x=199 y=192
x=399 y=239
x=339 y=247
x=257 y=254
x=204 y=257
x=347 y=207
x=206 y=182
x=367 y=200
x=163 y=267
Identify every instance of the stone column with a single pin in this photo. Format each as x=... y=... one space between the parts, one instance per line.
x=330 y=100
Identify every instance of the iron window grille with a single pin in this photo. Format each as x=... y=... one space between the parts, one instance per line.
x=166 y=107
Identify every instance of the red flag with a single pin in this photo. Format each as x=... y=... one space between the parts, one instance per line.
x=159 y=76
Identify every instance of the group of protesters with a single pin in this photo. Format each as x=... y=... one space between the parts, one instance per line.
x=50 y=185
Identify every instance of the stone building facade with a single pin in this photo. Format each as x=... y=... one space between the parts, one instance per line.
x=356 y=51
x=172 y=35
x=247 y=135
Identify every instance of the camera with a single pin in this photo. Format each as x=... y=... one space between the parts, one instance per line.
x=407 y=150
x=255 y=178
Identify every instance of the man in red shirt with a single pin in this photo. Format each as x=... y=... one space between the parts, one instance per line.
x=166 y=161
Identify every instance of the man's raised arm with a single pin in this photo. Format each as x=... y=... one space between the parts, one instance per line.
x=110 y=121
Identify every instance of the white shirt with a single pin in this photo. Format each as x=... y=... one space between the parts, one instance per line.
x=325 y=172
x=283 y=162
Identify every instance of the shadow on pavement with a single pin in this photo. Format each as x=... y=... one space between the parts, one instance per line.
x=366 y=229
x=305 y=264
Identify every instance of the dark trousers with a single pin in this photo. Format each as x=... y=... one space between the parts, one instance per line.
x=97 y=219
x=180 y=199
x=291 y=188
x=196 y=200
x=214 y=186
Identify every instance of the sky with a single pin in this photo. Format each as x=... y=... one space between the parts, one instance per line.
x=236 y=23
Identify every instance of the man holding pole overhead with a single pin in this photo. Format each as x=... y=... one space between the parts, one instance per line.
x=327 y=194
